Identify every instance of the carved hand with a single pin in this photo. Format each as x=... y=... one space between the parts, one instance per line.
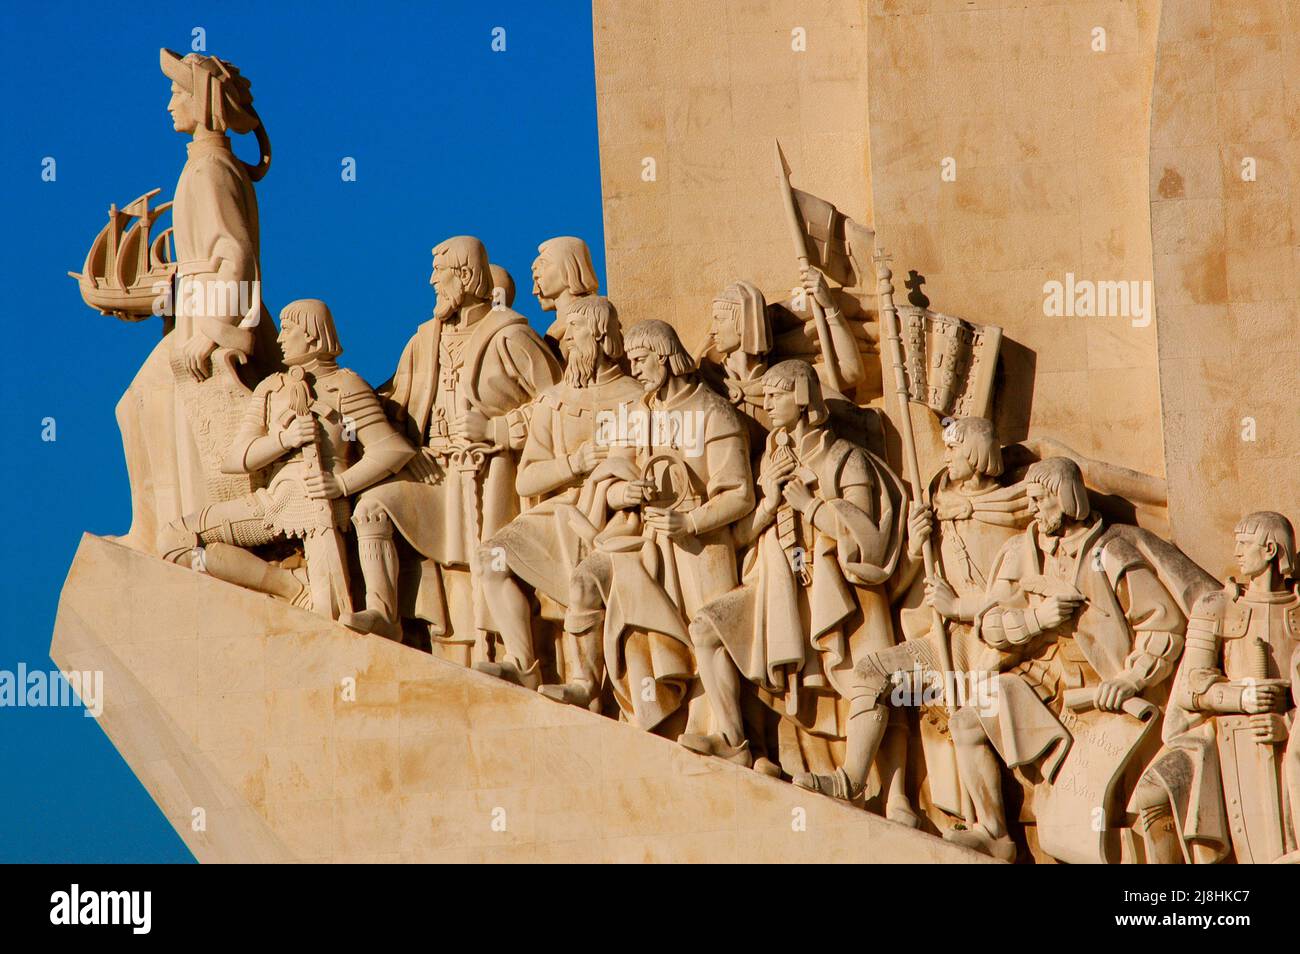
x=1267 y=728
x=772 y=479
x=1259 y=699
x=797 y=495
x=669 y=522
x=587 y=457
x=919 y=526
x=815 y=284
x=1055 y=610
x=423 y=466
x=634 y=493
x=470 y=426
x=323 y=485
x=197 y=353
x=299 y=431
x=1113 y=693
x=942 y=597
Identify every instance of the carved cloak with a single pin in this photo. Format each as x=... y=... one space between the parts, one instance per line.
x=785 y=634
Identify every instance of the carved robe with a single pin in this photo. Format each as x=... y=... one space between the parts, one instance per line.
x=813 y=600
x=497 y=365
x=545 y=543
x=174 y=429
x=642 y=587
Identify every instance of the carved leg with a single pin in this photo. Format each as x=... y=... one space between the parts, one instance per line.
x=378 y=558
x=212 y=540
x=977 y=766
x=230 y=563
x=584 y=621
x=893 y=772
x=584 y=669
x=721 y=681
x=512 y=614
x=757 y=717
x=868 y=720
x=1156 y=825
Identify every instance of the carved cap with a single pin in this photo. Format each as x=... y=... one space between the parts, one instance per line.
x=226 y=99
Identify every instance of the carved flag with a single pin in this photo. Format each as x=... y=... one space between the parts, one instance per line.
x=949 y=362
x=838 y=246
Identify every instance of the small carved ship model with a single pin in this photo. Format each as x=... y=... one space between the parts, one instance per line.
x=127 y=274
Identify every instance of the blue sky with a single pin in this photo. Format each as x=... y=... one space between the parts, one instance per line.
x=449 y=137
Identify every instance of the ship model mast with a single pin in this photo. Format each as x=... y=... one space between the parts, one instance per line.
x=127 y=274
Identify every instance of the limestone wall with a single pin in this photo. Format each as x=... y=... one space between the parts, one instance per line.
x=1092 y=139
x=1225 y=207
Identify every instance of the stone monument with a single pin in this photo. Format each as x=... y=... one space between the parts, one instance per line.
x=790 y=569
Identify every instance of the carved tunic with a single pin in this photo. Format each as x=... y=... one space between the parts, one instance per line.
x=1129 y=624
x=543 y=544
x=497 y=365
x=349 y=417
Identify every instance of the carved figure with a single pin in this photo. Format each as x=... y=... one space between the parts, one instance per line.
x=564 y=463
x=461 y=393
x=1219 y=785
x=183 y=407
x=320 y=435
x=827 y=534
x=671 y=550
x=1080 y=611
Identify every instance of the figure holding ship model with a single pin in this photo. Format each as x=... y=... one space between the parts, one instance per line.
x=181 y=411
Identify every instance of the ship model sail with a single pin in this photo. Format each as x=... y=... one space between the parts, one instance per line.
x=127 y=273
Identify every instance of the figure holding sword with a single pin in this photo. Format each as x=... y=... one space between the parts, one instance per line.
x=304 y=427
x=461 y=392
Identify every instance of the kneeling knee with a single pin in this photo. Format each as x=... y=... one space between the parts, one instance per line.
x=371 y=519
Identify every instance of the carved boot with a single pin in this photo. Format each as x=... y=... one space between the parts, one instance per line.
x=581 y=694
x=765 y=766
x=899 y=810
x=582 y=661
x=508 y=669
x=236 y=565
x=718 y=746
x=378 y=558
x=836 y=785
x=980 y=839
x=372 y=621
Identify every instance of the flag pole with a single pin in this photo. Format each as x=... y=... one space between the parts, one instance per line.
x=833 y=378
x=889 y=332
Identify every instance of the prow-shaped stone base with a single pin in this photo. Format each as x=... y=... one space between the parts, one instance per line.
x=266 y=733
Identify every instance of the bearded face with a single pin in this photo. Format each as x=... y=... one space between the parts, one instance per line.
x=449 y=288
x=582 y=352
x=1047 y=510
